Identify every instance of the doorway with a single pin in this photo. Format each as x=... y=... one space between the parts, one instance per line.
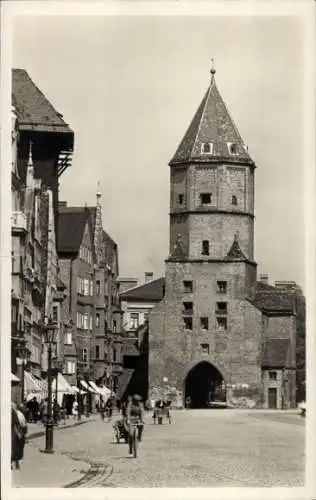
x=204 y=384
x=272 y=398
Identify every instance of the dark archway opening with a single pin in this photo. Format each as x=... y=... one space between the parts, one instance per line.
x=204 y=386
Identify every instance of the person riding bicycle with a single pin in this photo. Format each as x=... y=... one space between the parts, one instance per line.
x=135 y=411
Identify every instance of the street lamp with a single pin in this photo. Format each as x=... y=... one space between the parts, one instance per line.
x=50 y=332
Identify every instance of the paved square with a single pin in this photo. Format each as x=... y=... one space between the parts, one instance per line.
x=201 y=448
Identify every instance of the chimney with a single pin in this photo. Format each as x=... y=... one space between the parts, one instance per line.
x=264 y=278
x=149 y=276
x=62 y=204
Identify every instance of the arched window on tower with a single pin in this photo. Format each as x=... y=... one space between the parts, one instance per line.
x=234 y=200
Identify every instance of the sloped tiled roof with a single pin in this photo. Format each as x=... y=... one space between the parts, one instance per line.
x=151 y=292
x=71 y=227
x=33 y=109
x=92 y=211
x=276 y=352
x=269 y=298
x=211 y=123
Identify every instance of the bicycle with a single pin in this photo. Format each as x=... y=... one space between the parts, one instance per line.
x=133 y=434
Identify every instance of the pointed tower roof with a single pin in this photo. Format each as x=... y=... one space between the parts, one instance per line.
x=235 y=252
x=212 y=123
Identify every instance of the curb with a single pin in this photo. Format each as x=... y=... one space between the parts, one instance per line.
x=42 y=433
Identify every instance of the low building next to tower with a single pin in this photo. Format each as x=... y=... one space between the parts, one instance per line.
x=218 y=334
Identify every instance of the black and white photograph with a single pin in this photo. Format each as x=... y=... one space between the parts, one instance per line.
x=156 y=263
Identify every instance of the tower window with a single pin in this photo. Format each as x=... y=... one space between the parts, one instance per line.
x=232 y=148
x=205 y=247
x=204 y=323
x=180 y=199
x=221 y=307
x=234 y=200
x=207 y=148
x=188 y=323
x=221 y=286
x=221 y=323
x=188 y=286
x=206 y=198
x=188 y=307
x=205 y=348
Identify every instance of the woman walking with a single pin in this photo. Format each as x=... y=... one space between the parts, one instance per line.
x=18 y=433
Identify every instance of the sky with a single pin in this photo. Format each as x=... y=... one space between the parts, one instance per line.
x=129 y=87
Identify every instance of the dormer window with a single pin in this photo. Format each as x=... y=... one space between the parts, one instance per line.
x=232 y=148
x=207 y=148
x=234 y=200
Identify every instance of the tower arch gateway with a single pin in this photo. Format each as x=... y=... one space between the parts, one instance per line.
x=207 y=313
x=204 y=384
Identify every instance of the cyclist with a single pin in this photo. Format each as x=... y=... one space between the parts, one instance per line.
x=135 y=411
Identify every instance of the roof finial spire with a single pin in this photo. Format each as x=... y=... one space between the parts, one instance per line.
x=213 y=70
x=98 y=190
x=30 y=161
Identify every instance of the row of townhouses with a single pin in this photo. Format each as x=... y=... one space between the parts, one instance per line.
x=64 y=265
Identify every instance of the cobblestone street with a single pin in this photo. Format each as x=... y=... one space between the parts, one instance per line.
x=202 y=448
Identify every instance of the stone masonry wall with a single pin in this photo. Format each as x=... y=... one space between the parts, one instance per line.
x=173 y=350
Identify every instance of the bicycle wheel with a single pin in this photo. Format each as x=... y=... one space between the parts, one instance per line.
x=135 y=444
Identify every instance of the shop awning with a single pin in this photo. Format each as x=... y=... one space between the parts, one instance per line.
x=31 y=384
x=86 y=386
x=14 y=378
x=105 y=392
x=62 y=385
x=75 y=389
x=95 y=388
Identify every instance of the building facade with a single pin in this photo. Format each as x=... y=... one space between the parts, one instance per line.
x=213 y=335
x=88 y=260
x=42 y=145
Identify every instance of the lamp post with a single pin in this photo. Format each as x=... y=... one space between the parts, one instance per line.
x=50 y=331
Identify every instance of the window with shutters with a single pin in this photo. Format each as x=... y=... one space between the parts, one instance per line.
x=97 y=320
x=68 y=338
x=86 y=287
x=85 y=321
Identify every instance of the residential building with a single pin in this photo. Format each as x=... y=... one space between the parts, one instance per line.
x=137 y=302
x=88 y=260
x=214 y=335
x=42 y=146
x=76 y=262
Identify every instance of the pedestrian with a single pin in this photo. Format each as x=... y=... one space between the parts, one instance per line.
x=102 y=409
x=18 y=433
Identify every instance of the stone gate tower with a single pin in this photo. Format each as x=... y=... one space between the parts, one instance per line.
x=205 y=334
